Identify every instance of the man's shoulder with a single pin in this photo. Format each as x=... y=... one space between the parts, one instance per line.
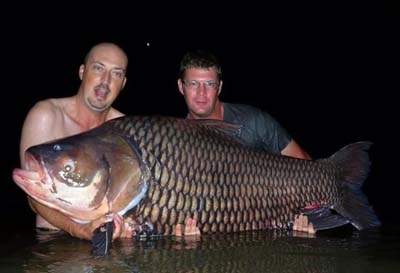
x=246 y=114
x=52 y=104
x=48 y=109
x=241 y=109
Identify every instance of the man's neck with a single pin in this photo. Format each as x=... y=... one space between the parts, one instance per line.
x=85 y=117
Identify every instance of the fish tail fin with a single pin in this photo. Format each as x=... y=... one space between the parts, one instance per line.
x=354 y=161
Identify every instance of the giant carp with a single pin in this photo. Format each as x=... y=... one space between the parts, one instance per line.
x=159 y=170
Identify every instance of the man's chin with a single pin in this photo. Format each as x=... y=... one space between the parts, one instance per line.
x=98 y=107
x=202 y=111
x=202 y=115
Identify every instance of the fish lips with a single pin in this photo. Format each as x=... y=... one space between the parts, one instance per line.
x=33 y=162
x=34 y=179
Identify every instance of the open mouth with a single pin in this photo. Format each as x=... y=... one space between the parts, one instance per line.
x=33 y=173
x=34 y=179
x=101 y=94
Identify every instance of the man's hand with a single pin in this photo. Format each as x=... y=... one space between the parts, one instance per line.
x=301 y=224
x=189 y=228
x=121 y=229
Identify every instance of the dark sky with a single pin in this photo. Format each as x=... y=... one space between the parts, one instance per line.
x=329 y=81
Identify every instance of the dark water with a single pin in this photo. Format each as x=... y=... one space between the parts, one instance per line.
x=338 y=251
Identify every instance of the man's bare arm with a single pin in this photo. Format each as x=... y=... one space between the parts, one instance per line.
x=59 y=220
x=294 y=150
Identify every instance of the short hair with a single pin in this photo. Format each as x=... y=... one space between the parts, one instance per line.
x=200 y=59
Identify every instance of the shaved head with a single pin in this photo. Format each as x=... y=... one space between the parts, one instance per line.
x=111 y=50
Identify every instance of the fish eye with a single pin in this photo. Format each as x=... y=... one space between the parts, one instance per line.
x=69 y=166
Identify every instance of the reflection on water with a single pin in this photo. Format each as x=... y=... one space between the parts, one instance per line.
x=247 y=252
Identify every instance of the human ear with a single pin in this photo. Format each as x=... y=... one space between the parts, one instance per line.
x=81 y=70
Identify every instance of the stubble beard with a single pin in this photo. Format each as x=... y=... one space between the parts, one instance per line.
x=97 y=105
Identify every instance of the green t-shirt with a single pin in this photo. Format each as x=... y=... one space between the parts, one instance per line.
x=257 y=127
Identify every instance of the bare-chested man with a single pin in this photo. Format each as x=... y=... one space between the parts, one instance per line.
x=102 y=79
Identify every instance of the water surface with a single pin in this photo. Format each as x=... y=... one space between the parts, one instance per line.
x=338 y=251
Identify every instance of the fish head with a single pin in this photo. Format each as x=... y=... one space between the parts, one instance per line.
x=83 y=176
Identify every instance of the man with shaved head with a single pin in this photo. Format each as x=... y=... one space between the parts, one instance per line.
x=103 y=76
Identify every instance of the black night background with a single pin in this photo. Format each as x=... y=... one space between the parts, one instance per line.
x=330 y=81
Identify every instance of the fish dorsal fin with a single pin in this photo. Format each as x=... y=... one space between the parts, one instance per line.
x=230 y=129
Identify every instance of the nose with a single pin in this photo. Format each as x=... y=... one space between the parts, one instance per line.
x=201 y=90
x=106 y=77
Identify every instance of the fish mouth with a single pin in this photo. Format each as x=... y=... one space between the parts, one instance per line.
x=33 y=163
x=36 y=182
x=32 y=176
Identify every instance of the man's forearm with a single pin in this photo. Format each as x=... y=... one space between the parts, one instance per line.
x=59 y=220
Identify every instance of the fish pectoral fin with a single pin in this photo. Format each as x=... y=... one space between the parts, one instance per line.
x=324 y=218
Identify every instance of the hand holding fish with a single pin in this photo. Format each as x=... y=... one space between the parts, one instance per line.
x=188 y=229
x=302 y=224
x=121 y=228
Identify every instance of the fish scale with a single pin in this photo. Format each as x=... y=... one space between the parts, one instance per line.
x=270 y=171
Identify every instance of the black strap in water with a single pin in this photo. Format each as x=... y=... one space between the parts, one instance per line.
x=102 y=237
